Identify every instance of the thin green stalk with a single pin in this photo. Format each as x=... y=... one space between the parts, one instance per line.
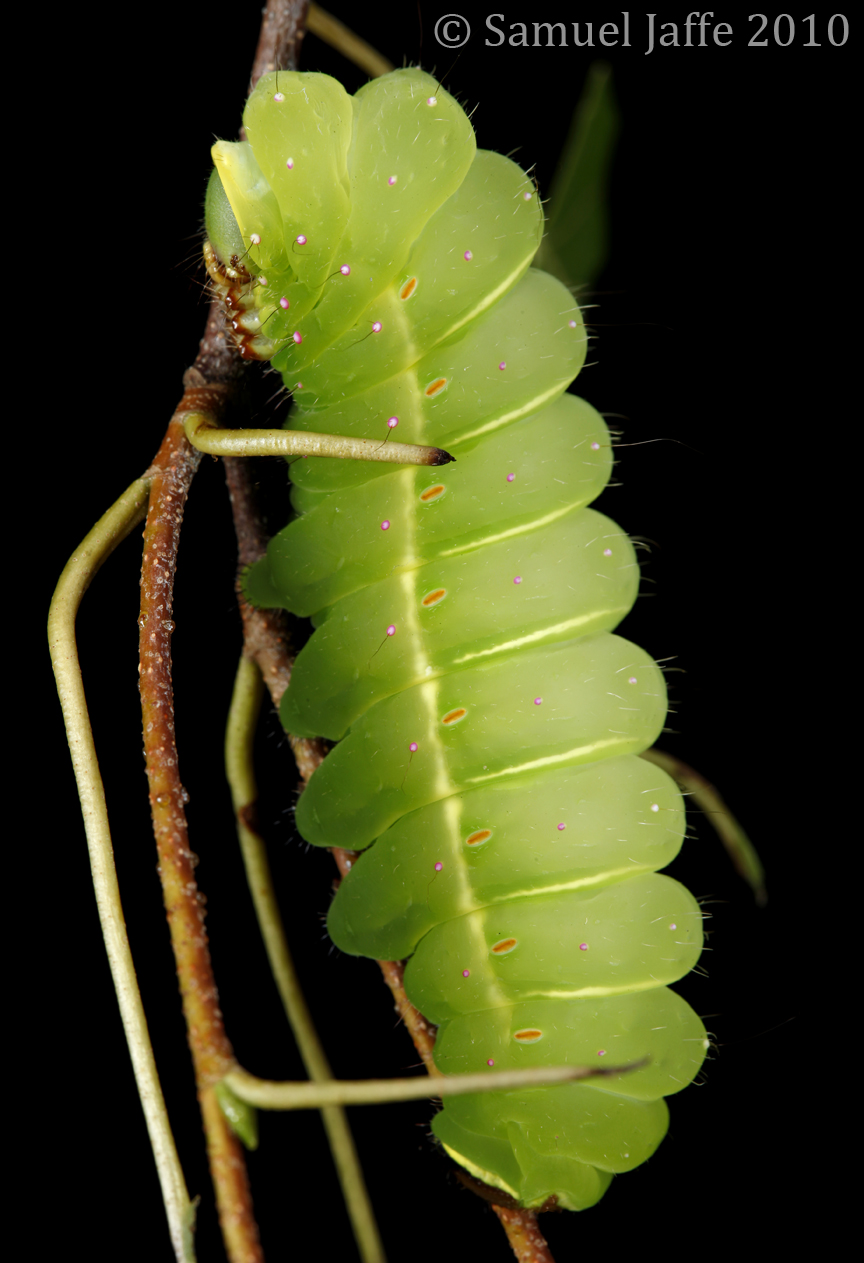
x=108 y=532
x=239 y=766
x=740 y=849
x=333 y=32
x=297 y=1096
x=207 y=437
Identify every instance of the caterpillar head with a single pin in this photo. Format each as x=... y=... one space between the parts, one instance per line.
x=319 y=207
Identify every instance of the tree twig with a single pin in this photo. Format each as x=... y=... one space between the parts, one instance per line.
x=523 y=1232
x=265 y=632
x=283 y=24
x=212 y=1055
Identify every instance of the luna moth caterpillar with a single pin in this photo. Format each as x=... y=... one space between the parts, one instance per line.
x=689 y=212
x=488 y=721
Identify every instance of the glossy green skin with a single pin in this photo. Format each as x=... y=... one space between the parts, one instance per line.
x=488 y=720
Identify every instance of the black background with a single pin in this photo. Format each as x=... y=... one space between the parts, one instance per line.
x=723 y=325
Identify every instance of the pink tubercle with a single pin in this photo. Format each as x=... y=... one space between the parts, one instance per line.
x=466 y=973
x=278 y=96
x=301 y=239
x=490 y=1062
x=392 y=422
x=572 y=324
x=527 y=196
x=385 y=525
x=255 y=239
x=561 y=826
x=376 y=326
x=607 y=552
x=468 y=255
x=673 y=926
x=538 y=701
x=510 y=477
x=297 y=336
x=431 y=100
x=345 y=270
x=438 y=866
x=289 y=163
x=392 y=179
x=262 y=280
x=299 y=386
x=503 y=365
x=517 y=578
x=583 y=947
x=413 y=747
x=391 y=630
x=595 y=447
x=632 y=680
x=601 y=1052
x=284 y=303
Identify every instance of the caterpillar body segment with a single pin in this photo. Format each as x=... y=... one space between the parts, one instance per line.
x=534 y=711
x=488 y=720
x=449 y=617
x=431 y=518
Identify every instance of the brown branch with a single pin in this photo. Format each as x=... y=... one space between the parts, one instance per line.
x=283 y=25
x=265 y=632
x=212 y=1056
x=208 y=386
x=523 y=1232
x=173 y=470
x=217 y=361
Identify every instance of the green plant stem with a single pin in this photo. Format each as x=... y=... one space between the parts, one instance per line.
x=206 y=437
x=295 y=1096
x=333 y=32
x=108 y=532
x=239 y=766
x=740 y=849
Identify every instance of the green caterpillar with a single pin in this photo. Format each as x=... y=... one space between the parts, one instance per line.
x=488 y=721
